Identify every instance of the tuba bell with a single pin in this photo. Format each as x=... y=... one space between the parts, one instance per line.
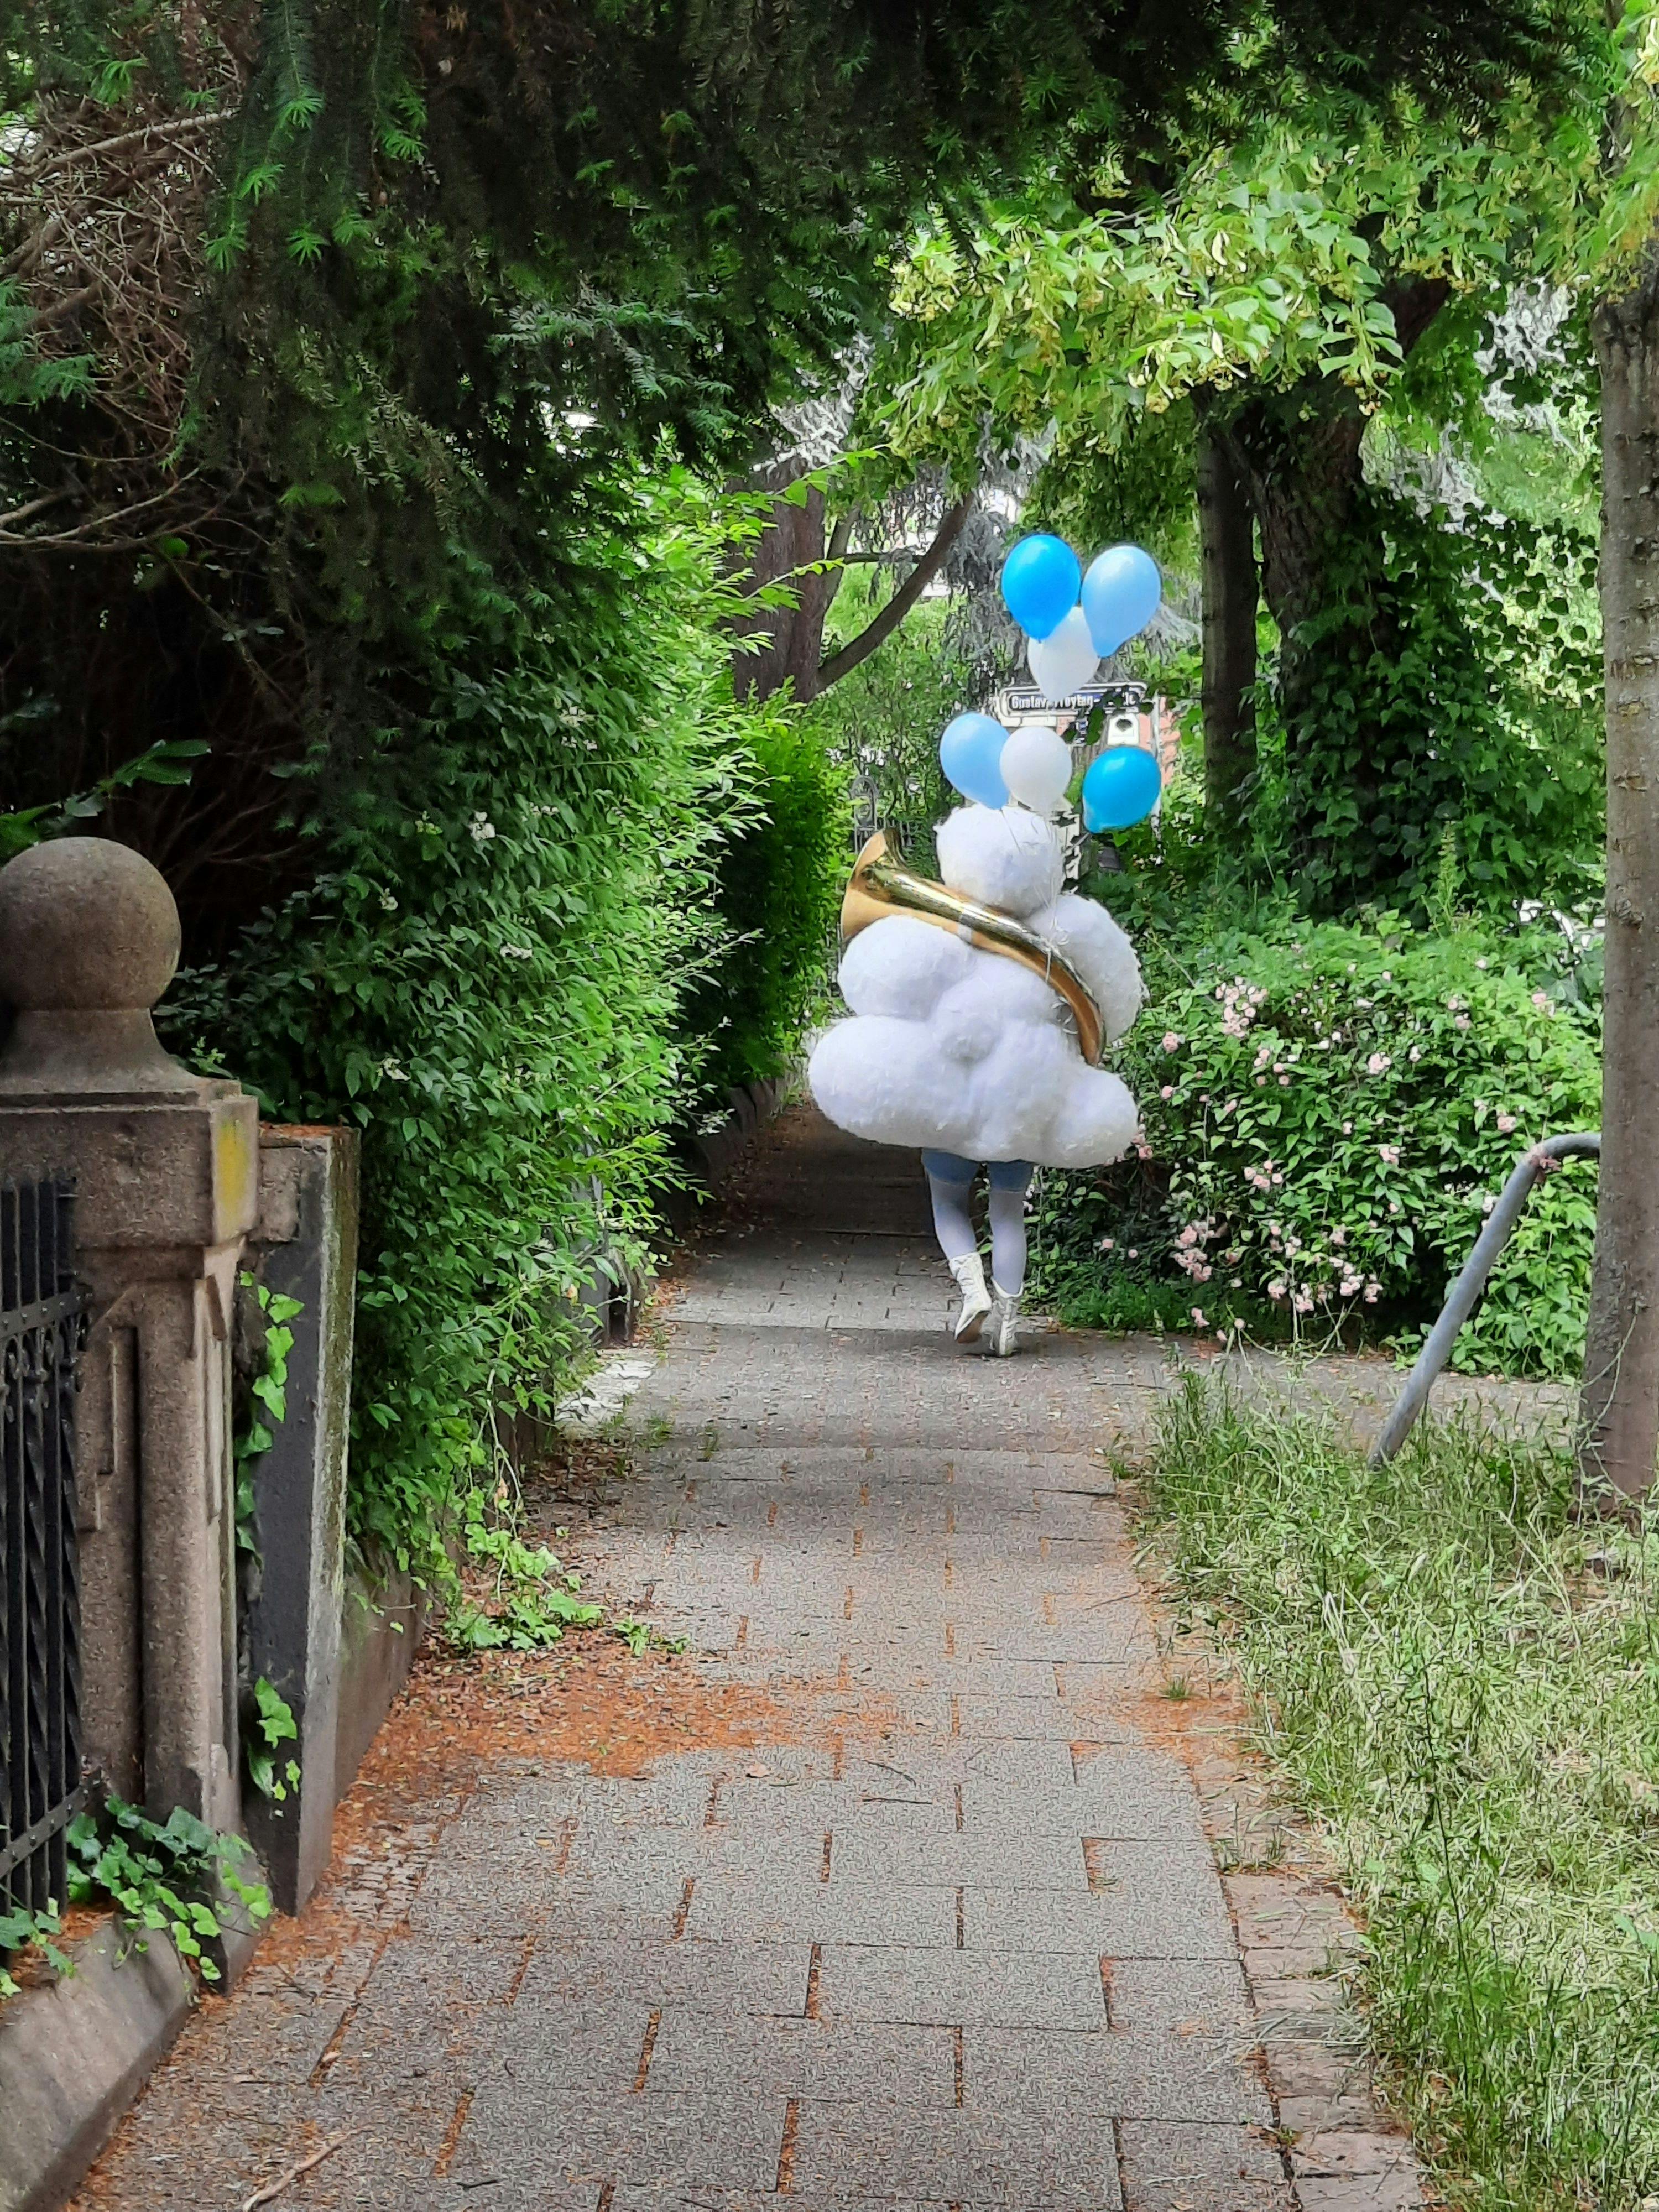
x=881 y=884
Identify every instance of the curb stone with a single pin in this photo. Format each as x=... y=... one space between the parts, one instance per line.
x=76 y=2052
x=1344 y=2152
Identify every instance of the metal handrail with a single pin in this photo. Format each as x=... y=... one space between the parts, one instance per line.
x=1529 y=1169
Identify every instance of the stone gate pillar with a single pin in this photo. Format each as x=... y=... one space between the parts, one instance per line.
x=166 y=1169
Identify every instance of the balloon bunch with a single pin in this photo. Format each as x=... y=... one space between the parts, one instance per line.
x=1071 y=622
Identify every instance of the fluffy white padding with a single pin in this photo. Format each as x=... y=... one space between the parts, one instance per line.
x=1007 y=858
x=1101 y=953
x=964 y=1051
x=900 y=966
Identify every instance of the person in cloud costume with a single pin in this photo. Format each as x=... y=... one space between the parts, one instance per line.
x=974 y=1058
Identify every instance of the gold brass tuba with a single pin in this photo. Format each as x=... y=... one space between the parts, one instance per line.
x=881 y=884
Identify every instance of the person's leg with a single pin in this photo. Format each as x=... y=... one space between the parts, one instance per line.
x=951 y=1183
x=1010 y=1180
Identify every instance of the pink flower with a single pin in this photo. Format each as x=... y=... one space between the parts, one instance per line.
x=1167 y=1091
x=1303 y=1302
x=1505 y=1124
x=1283 y=1082
x=1347 y=1128
x=1170 y=1041
x=1378 y=1064
x=1276 y=1288
x=1198 y=1315
x=1338 y=1236
x=1460 y=1021
x=1390 y=1155
x=1348 y=1287
x=1371 y=1291
x=1106 y=1244
x=1540 y=999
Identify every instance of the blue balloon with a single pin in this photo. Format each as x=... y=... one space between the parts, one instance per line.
x=1041 y=580
x=1121 y=593
x=970 y=752
x=1120 y=789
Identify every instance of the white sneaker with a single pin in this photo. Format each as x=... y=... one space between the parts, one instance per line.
x=969 y=1271
x=1004 y=1321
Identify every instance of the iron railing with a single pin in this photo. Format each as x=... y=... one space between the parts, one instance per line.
x=43 y=1322
x=1461 y=1300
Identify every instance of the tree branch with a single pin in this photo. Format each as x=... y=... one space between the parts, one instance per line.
x=59 y=309
x=185 y=126
x=33 y=507
x=881 y=628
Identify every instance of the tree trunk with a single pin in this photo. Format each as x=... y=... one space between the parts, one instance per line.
x=1619 y=1406
x=791 y=637
x=793 y=546
x=1300 y=454
x=1227 y=537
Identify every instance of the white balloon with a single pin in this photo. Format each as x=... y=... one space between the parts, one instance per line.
x=1036 y=766
x=1065 y=660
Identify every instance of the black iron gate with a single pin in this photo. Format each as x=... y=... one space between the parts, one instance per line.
x=42 y=1326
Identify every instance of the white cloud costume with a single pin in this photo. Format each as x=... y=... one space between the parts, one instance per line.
x=955 y=1049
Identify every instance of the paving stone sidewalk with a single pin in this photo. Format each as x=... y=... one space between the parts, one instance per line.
x=967 y=1942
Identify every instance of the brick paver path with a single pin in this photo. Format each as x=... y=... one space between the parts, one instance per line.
x=965 y=1943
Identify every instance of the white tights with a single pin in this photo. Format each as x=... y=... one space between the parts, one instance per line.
x=953 y=1224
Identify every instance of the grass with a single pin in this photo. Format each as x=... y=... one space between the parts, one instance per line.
x=1461 y=1684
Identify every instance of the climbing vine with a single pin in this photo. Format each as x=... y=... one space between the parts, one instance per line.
x=175 y=1877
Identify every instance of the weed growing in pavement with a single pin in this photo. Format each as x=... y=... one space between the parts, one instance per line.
x=176 y=1876
x=533 y=1597
x=529 y=1597
x=1459 y=1681
x=21 y=1931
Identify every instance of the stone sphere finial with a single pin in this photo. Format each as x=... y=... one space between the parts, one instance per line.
x=88 y=942
x=85 y=923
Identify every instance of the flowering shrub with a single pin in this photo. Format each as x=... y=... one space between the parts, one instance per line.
x=1329 y=1113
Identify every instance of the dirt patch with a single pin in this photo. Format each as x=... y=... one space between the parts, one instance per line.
x=590 y=1702
x=599 y=1705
